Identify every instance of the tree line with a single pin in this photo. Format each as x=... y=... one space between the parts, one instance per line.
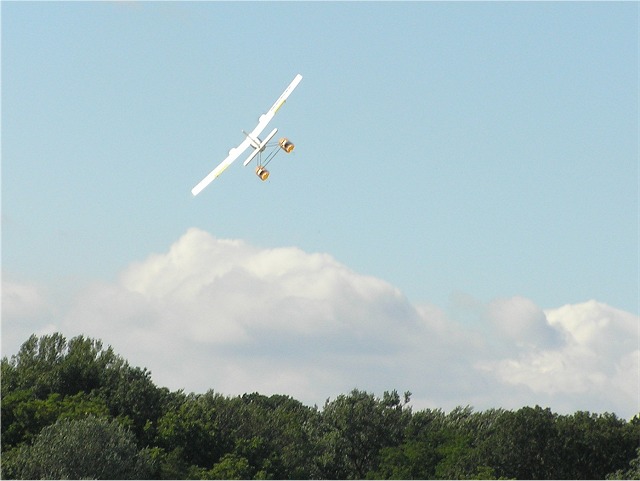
x=73 y=409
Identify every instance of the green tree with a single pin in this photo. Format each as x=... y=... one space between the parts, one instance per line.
x=191 y=430
x=285 y=427
x=632 y=472
x=89 y=448
x=50 y=365
x=524 y=445
x=74 y=409
x=411 y=460
x=24 y=415
x=595 y=445
x=417 y=456
x=439 y=446
x=231 y=466
x=356 y=428
x=461 y=440
x=130 y=393
x=275 y=434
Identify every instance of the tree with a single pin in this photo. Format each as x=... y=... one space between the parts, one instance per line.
x=411 y=460
x=24 y=415
x=130 y=393
x=231 y=466
x=74 y=409
x=93 y=447
x=191 y=430
x=439 y=446
x=524 y=445
x=357 y=427
x=274 y=434
x=50 y=364
x=461 y=440
x=633 y=472
x=594 y=445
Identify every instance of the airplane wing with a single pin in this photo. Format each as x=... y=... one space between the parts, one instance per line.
x=237 y=151
x=266 y=118
x=233 y=155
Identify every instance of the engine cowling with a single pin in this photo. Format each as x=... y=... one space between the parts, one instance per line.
x=286 y=145
x=262 y=173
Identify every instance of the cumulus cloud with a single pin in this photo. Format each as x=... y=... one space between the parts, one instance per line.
x=21 y=300
x=230 y=316
x=235 y=293
x=522 y=322
x=598 y=358
x=222 y=314
x=26 y=310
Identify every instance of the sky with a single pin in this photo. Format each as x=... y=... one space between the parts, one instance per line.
x=459 y=218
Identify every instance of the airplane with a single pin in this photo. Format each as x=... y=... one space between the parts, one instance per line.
x=252 y=140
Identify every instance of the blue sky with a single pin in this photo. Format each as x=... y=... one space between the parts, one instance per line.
x=465 y=154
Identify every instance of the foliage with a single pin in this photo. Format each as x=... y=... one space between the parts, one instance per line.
x=596 y=444
x=75 y=409
x=356 y=428
x=93 y=448
x=24 y=415
x=633 y=472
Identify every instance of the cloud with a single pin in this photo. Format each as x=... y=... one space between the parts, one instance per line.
x=233 y=293
x=26 y=310
x=222 y=314
x=21 y=300
x=522 y=322
x=598 y=358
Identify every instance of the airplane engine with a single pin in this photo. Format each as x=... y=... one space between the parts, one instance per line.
x=262 y=173
x=286 y=145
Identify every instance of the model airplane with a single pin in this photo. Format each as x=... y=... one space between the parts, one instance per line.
x=252 y=140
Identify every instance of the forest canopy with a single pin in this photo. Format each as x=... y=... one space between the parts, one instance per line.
x=75 y=409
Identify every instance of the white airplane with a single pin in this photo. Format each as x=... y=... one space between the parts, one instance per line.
x=252 y=140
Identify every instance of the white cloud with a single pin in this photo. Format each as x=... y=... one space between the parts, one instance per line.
x=226 y=315
x=522 y=322
x=26 y=310
x=598 y=327
x=235 y=293
x=598 y=358
x=215 y=313
x=20 y=300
